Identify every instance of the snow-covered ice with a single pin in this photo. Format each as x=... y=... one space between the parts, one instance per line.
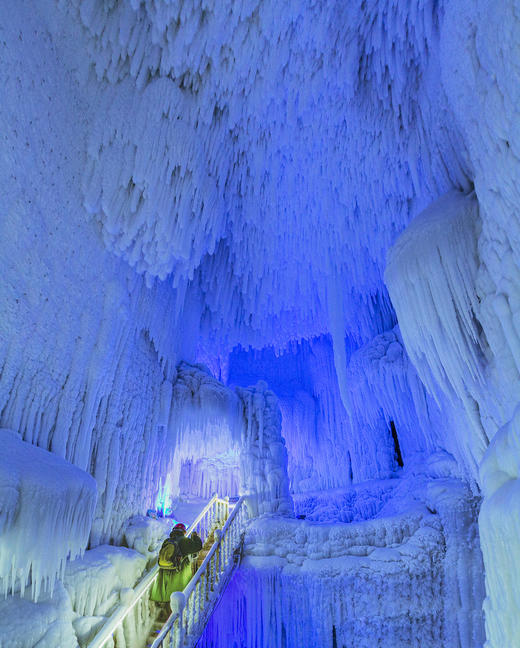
x=46 y=511
x=410 y=576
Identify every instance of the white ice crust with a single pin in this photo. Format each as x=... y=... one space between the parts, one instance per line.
x=47 y=506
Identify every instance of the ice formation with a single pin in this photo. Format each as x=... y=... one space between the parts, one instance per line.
x=98 y=582
x=46 y=511
x=431 y=275
x=315 y=424
x=47 y=623
x=317 y=581
x=499 y=531
x=243 y=423
x=231 y=183
x=384 y=390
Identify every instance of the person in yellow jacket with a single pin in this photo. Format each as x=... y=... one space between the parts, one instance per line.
x=174 y=563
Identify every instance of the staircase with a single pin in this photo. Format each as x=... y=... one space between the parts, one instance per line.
x=192 y=608
x=221 y=528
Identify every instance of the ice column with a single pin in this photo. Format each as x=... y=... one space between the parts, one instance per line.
x=263 y=459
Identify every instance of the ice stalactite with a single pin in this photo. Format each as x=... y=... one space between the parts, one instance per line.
x=229 y=149
x=431 y=274
x=206 y=424
x=216 y=474
x=139 y=204
x=46 y=511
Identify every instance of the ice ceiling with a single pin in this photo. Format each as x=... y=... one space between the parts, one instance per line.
x=268 y=157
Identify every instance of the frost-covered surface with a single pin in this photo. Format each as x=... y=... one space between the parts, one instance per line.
x=244 y=425
x=315 y=425
x=144 y=534
x=208 y=475
x=46 y=511
x=431 y=275
x=383 y=386
x=263 y=458
x=84 y=348
x=46 y=624
x=499 y=524
x=412 y=577
x=181 y=177
x=98 y=582
x=94 y=581
x=359 y=502
x=231 y=152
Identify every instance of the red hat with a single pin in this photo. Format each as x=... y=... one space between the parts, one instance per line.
x=179 y=527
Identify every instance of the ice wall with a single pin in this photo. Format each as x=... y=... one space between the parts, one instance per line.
x=315 y=425
x=263 y=458
x=499 y=531
x=330 y=445
x=431 y=274
x=480 y=81
x=382 y=389
x=211 y=420
x=83 y=344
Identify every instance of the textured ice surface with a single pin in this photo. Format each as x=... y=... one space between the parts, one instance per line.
x=431 y=274
x=46 y=510
x=499 y=524
x=210 y=420
x=46 y=624
x=412 y=577
x=362 y=129
x=98 y=582
x=360 y=502
x=95 y=580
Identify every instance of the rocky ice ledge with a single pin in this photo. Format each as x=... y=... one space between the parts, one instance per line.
x=315 y=581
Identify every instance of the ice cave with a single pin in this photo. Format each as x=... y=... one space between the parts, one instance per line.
x=260 y=293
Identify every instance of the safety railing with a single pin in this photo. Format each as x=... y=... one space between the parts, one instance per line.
x=213 y=514
x=192 y=607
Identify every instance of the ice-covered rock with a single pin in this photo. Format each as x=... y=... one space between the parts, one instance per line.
x=45 y=624
x=47 y=507
x=95 y=581
x=413 y=576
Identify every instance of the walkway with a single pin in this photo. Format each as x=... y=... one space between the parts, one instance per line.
x=221 y=526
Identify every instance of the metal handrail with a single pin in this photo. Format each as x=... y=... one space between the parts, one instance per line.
x=122 y=611
x=195 y=581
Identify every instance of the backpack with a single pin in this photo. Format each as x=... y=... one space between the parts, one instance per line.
x=170 y=556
